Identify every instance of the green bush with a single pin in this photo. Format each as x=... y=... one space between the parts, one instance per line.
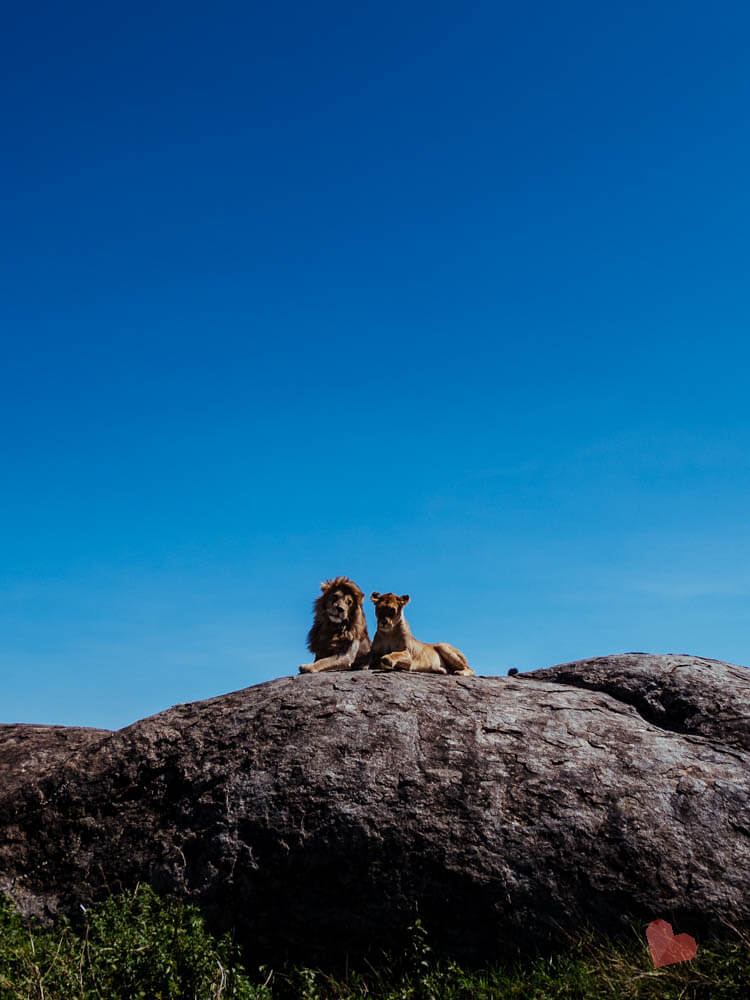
x=136 y=946
x=139 y=946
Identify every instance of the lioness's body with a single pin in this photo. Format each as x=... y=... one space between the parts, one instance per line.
x=395 y=648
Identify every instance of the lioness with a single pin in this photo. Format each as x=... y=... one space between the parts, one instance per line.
x=395 y=648
x=338 y=636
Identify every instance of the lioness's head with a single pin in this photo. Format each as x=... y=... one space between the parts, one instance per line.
x=341 y=598
x=388 y=609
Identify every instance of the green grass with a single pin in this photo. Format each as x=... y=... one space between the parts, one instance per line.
x=138 y=946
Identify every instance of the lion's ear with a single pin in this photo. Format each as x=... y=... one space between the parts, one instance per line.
x=374 y=596
x=325 y=585
x=404 y=599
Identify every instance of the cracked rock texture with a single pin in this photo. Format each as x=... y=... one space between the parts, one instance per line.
x=28 y=753
x=323 y=813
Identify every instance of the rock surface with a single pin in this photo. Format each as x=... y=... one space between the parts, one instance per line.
x=324 y=813
x=29 y=753
x=685 y=694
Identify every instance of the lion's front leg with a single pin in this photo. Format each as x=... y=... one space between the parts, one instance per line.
x=310 y=668
x=400 y=660
x=342 y=661
x=326 y=663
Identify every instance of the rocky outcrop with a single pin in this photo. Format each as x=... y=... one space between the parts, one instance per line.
x=684 y=694
x=30 y=753
x=324 y=813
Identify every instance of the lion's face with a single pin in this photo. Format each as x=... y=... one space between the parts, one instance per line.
x=339 y=605
x=388 y=609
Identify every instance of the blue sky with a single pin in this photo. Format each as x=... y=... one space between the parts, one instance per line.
x=450 y=298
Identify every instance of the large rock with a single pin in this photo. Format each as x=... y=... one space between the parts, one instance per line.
x=325 y=812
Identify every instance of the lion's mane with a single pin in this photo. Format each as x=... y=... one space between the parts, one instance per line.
x=326 y=638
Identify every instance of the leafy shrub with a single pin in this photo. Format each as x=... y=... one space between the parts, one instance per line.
x=136 y=946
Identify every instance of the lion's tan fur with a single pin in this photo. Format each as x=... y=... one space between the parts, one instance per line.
x=395 y=648
x=338 y=645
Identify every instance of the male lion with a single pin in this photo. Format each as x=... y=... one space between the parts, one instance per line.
x=338 y=636
x=395 y=648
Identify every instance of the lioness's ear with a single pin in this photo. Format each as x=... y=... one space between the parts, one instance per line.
x=374 y=597
x=404 y=599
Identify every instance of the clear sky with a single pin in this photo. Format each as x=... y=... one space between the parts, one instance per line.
x=451 y=298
